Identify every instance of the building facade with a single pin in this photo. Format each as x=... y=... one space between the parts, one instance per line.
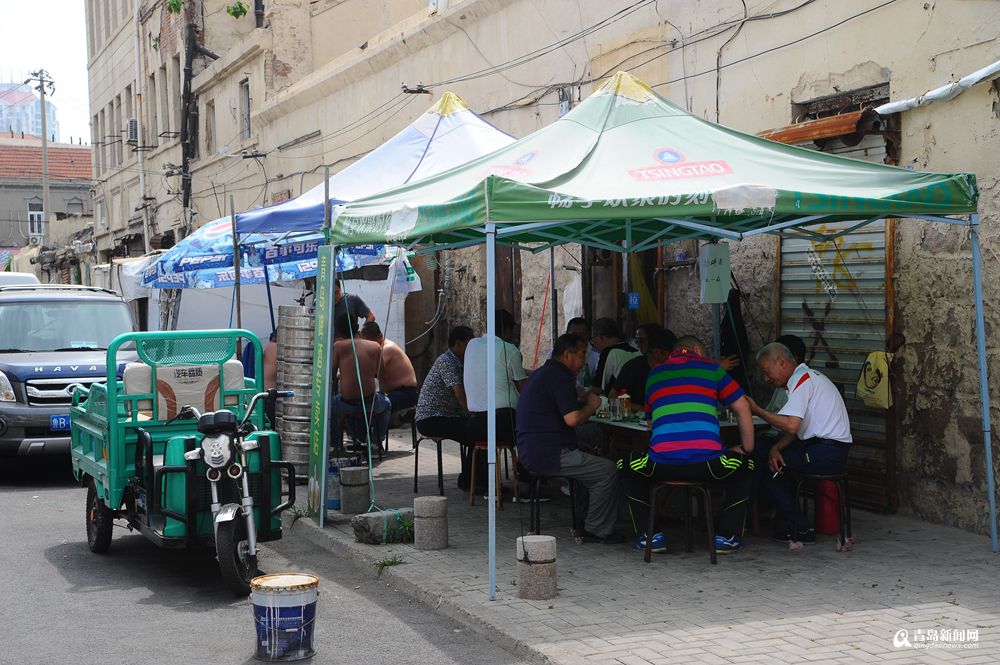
x=21 y=111
x=299 y=85
x=22 y=213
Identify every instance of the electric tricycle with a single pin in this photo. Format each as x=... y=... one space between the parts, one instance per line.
x=178 y=449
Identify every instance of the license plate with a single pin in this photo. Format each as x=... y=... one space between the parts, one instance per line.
x=59 y=423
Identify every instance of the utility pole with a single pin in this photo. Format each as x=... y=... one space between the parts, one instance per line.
x=45 y=84
x=140 y=144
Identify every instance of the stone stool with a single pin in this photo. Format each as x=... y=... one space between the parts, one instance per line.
x=430 y=522
x=536 y=567
x=354 y=495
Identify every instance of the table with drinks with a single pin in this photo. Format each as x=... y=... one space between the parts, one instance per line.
x=628 y=430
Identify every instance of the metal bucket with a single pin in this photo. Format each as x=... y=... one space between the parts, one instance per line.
x=284 y=611
x=295 y=334
x=295 y=410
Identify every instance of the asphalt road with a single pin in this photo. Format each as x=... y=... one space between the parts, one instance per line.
x=60 y=603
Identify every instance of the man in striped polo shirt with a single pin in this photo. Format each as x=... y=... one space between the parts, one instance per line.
x=682 y=393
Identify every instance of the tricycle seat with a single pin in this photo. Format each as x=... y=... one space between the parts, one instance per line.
x=177 y=385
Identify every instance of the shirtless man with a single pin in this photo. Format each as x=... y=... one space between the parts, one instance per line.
x=270 y=375
x=356 y=399
x=396 y=378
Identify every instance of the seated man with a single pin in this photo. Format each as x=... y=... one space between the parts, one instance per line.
x=271 y=375
x=615 y=352
x=816 y=433
x=632 y=378
x=396 y=377
x=355 y=362
x=683 y=391
x=510 y=377
x=767 y=438
x=442 y=411
x=546 y=442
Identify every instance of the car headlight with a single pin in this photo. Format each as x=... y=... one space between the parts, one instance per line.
x=6 y=390
x=216 y=449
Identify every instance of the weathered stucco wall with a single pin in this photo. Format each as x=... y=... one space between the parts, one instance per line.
x=351 y=96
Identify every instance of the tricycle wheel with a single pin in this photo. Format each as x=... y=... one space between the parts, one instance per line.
x=233 y=550
x=100 y=520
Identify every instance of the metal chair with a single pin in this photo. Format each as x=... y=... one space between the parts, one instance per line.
x=416 y=457
x=843 y=499
x=688 y=487
x=534 y=500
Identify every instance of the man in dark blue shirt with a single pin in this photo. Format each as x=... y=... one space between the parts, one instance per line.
x=547 y=412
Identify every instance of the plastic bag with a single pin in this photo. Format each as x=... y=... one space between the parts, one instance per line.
x=873 y=383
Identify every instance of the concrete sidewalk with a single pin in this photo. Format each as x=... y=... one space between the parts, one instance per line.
x=763 y=604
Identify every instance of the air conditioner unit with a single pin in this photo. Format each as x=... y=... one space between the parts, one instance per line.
x=132 y=131
x=34 y=240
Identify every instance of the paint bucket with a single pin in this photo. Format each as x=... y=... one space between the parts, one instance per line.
x=284 y=611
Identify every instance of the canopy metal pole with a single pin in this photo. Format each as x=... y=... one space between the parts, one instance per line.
x=716 y=331
x=491 y=399
x=553 y=297
x=328 y=371
x=236 y=265
x=984 y=393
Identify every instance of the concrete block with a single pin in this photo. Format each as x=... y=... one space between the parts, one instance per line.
x=372 y=528
x=430 y=522
x=354 y=495
x=536 y=567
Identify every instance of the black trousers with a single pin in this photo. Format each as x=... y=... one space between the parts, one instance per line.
x=735 y=472
x=455 y=429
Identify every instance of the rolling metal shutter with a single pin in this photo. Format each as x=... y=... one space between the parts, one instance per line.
x=833 y=296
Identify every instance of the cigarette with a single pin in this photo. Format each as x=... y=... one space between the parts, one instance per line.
x=776 y=474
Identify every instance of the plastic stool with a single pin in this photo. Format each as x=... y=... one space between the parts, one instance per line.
x=843 y=503
x=502 y=447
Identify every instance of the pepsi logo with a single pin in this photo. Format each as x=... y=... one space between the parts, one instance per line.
x=668 y=156
x=525 y=158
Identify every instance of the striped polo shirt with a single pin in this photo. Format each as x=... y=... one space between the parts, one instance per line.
x=681 y=399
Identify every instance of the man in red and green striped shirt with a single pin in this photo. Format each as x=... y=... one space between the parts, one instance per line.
x=682 y=393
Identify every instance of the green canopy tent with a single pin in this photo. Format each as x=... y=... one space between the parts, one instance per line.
x=628 y=171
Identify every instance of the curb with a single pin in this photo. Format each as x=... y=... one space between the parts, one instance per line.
x=341 y=546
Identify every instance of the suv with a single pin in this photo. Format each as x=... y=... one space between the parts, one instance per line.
x=52 y=337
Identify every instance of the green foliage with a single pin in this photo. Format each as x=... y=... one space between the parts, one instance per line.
x=399 y=531
x=236 y=9
x=393 y=560
x=296 y=513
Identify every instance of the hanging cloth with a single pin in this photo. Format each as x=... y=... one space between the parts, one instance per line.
x=733 y=338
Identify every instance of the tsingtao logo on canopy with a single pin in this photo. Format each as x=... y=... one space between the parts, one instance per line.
x=511 y=170
x=668 y=156
x=673 y=164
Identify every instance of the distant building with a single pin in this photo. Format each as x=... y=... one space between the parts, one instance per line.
x=21 y=111
x=21 y=209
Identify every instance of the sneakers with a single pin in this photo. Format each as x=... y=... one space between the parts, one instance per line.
x=727 y=545
x=659 y=543
x=807 y=537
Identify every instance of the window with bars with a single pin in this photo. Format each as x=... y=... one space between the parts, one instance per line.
x=245 y=109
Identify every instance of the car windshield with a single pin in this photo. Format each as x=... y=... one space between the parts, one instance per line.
x=62 y=325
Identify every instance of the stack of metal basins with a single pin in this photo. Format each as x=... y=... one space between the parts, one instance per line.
x=295 y=373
